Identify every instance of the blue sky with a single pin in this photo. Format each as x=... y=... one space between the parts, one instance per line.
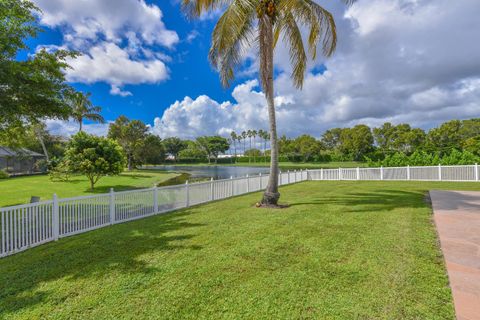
x=403 y=61
x=190 y=72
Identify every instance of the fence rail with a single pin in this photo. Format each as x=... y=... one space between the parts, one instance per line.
x=29 y=225
x=427 y=173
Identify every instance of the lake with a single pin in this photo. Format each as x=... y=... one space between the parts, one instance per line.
x=215 y=172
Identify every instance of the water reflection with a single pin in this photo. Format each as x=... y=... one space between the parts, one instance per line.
x=215 y=172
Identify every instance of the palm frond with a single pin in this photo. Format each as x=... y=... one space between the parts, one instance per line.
x=230 y=38
x=293 y=38
x=195 y=8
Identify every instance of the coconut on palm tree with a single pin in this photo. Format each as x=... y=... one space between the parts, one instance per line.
x=259 y=24
x=83 y=108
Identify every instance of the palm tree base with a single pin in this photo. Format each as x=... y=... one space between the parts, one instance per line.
x=270 y=199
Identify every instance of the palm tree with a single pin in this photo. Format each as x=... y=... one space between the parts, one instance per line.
x=234 y=139
x=239 y=139
x=259 y=23
x=250 y=135
x=82 y=108
x=254 y=135
x=244 y=136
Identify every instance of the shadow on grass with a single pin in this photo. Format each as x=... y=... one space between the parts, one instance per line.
x=96 y=254
x=375 y=200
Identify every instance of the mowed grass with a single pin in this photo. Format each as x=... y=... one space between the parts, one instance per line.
x=18 y=190
x=342 y=250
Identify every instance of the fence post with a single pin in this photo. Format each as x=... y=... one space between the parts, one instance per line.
x=476 y=171
x=288 y=176
x=231 y=184
x=155 y=199
x=381 y=173
x=187 y=194
x=408 y=172
x=340 y=174
x=439 y=172
x=211 y=189
x=55 y=218
x=280 y=178
x=321 y=173
x=295 y=176
x=358 y=173
x=260 y=180
x=248 y=184
x=112 y=206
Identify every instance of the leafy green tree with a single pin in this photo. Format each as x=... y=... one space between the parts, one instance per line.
x=400 y=138
x=472 y=145
x=307 y=146
x=445 y=138
x=213 y=146
x=94 y=157
x=331 y=139
x=259 y=23
x=173 y=146
x=192 y=151
x=31 y=89
x=82 y=108
x=152 y=151
x=356 y=141
x=131 y=135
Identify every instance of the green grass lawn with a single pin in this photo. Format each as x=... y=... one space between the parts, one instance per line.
x=342 y=250
x=18 y=190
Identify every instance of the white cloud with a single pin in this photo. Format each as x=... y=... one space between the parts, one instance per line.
x=109 y=63
x=69 y=128
x=412 y=61
x=90 y=19
x=119 y=39
x=116 y=91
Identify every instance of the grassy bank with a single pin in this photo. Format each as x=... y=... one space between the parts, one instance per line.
x=18 y=190
x=342 y=250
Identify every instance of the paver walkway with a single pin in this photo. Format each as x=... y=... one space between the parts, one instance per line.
x=457 y=217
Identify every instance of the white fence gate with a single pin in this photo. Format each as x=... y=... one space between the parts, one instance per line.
x=30 y=225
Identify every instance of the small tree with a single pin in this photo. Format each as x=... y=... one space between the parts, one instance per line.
x=153 y=151
x=173 y=146
x=94 y=156
x=131 y=135
x=212 y=146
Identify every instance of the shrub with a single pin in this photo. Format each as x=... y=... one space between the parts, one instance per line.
x=4 y=175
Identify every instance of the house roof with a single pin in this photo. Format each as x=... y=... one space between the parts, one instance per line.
x=9 y=152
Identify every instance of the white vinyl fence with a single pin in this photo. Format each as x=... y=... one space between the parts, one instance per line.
x=29 y=225
x=432 y=173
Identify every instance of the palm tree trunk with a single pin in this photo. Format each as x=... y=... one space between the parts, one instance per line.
x=80 y=124
x=271 y=194
x=42 y=143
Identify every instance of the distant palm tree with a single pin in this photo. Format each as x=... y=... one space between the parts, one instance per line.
x=254 y=135
x=250 y=135
x=244 y=136
x=83 y=108
x=234 y=137
x=259 y=23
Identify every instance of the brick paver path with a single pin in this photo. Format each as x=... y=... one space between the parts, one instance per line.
x=457 y=217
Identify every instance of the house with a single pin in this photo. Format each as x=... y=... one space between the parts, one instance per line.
x=19 y=161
